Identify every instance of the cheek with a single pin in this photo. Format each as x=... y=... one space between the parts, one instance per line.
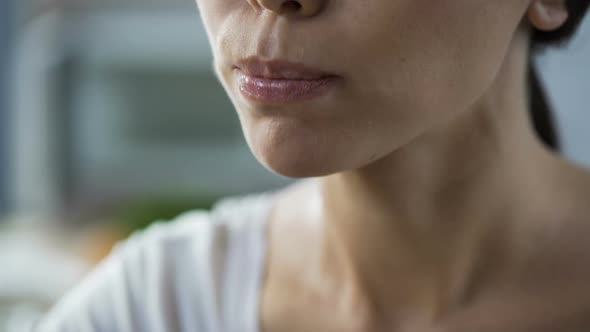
x=214 y=14
x=424 y=55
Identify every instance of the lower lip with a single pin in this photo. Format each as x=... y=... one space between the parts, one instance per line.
x=282 y=91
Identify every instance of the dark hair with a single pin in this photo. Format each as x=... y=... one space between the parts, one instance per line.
x=541 y=114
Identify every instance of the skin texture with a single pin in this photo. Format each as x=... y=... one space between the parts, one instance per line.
x=401 y=76
x=431 y=204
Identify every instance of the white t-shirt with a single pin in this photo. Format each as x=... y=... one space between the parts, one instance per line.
x=202 y=272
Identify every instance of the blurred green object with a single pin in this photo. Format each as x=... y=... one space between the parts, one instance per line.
x=144 y=212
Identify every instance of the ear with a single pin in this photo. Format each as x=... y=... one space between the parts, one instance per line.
x=547 y=15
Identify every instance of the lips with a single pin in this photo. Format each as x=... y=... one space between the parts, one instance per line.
x=280 y=82
x=276 y=69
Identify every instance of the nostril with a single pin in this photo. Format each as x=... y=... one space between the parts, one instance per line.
x=292 y=6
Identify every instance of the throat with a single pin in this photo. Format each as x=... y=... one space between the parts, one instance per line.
x=434 y=279
x=410 y=241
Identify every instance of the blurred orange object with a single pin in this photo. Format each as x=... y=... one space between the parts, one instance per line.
x=96 y=242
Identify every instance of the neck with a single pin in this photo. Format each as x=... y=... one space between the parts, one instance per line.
x=429 y=214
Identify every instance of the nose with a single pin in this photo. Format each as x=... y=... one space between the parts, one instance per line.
x=305 y=8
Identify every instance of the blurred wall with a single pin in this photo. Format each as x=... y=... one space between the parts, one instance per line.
x=6 y=31
x=566 y=72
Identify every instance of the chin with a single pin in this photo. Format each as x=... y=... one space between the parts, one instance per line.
x=295 y=160
x=291 y=149
x=296 y=169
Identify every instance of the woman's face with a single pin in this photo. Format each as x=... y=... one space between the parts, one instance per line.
x=370 y=75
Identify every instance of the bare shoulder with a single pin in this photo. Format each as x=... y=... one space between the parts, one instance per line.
x=556 y=279
x=564 y=243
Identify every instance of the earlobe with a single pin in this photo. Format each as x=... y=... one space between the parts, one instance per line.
x=547 y=15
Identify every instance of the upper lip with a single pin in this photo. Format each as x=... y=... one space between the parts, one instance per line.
x=279 y=69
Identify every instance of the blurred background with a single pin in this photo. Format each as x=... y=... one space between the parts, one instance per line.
x=110 y=119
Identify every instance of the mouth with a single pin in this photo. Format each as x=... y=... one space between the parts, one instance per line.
x=279 y=70
x=281 y=82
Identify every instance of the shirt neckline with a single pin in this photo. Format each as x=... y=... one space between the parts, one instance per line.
x=258 y=246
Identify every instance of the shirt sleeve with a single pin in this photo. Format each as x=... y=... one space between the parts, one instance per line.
x=100 y=303
x=157 y=280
